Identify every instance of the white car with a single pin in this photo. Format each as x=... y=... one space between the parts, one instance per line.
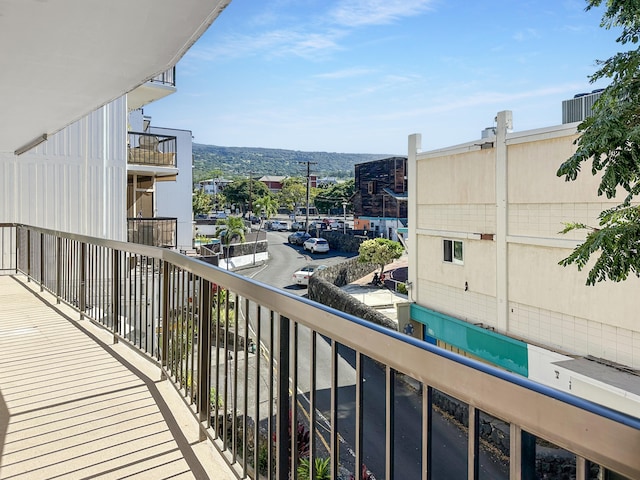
x=301 y=277
x=316 y=245
x=279 y=226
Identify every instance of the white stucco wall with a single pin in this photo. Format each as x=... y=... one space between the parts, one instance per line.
x=75 y=181
x=455 y=195
x=173 y=199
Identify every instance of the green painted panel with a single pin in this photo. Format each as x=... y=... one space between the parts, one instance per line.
x=499 y=350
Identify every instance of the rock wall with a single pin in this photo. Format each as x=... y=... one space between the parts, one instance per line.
x=346 y=272
x=324 y=287
x=328 y=294
x=339 y=241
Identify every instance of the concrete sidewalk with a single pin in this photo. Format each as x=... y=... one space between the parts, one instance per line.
x=383 y=299
x=73 y=405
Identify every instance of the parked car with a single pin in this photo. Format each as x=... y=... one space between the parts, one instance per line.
x=297 y=226
x=316 y=245
x=298 y=238
x=317 y=226
x=279 y=226
x=301 y=277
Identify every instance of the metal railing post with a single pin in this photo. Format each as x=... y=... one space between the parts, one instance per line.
x=115 y=294
x=58 y=269
x=473 y=444
x=164 y=329
x=582 y=469
x=82 y=302
x=41 y=262
x=282 y=414
x=17 y=252
x=204 y=358
x=427 y=426
x=28 y=255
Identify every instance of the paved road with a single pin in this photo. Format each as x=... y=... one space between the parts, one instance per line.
x=449 y=452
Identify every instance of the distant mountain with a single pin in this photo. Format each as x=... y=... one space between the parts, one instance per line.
x=240 y=161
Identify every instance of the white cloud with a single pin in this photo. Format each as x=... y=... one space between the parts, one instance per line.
x=355 y=13
x=273 y=43
x=526 y=34
x=346 y=73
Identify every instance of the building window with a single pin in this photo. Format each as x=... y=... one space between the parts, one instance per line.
x=453 y=251
x=371 y=187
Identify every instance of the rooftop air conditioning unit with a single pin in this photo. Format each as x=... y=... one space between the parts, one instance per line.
x=488 y=132
x=579 y=107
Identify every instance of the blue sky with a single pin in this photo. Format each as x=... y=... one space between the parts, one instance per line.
x=359 y=76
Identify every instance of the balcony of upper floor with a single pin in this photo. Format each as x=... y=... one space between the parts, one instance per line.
x=151 y=154
x=158 y=87
x=155 y=231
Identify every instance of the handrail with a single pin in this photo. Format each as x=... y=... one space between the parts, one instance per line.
x=590 y=431
x=152 y=149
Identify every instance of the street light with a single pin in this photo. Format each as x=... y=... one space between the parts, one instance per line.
x=344 y=215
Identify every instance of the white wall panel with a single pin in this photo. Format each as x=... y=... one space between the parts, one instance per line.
x=61 y=184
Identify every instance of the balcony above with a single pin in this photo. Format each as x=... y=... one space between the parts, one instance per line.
x=158 y=87
x=152 y=154
x=92 y=52
x=157 y=232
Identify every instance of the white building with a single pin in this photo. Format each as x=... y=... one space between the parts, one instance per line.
x=69 y=163
x=484 y=246
x=213 y=186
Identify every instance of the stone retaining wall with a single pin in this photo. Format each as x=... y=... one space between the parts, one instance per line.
x=322 y=291
x=346 y=272
x=340 y=241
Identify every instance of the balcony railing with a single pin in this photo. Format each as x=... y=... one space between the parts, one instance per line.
x=167 y=78
x=251 y=359
x=156 y=232
x=154 y=150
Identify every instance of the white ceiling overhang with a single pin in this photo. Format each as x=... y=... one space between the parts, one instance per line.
x=62 y=59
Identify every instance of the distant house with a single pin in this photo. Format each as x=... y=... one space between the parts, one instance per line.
x=274 y=182
x=213 y=186
x=325 y=181
x=380 y=198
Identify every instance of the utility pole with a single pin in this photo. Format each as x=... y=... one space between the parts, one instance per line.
x=250 y=185
x=306 y=229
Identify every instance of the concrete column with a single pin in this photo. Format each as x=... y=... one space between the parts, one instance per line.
x=504 y=123
x=414 y=147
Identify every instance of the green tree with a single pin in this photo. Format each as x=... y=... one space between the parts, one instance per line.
x=228 y=229
x=267 y=206
x=201 y=202
x=293 y=193
x=379 y=251
x=239 y=192
x=331 y=198
x=610 y=139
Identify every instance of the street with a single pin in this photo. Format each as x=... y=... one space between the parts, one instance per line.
x=449 y=442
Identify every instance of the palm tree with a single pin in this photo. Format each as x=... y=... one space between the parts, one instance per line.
x=268 y=206
x=229 y=228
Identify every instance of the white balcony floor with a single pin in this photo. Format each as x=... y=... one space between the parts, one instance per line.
x=74 y=405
